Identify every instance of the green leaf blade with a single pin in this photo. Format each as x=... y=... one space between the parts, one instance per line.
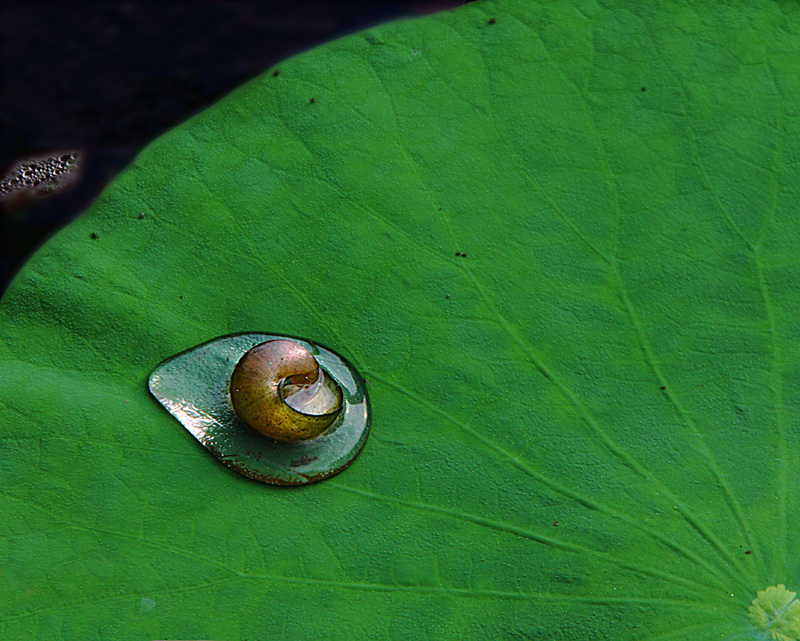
x=582 y=429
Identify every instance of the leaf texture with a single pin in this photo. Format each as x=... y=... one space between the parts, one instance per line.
x=558 y=239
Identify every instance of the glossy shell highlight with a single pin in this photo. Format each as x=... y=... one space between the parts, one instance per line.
x=259 y=387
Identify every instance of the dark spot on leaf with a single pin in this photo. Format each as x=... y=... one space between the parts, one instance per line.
x=663 y=387
x=141 y=216
x=313 y=100
x=748 y=551
x=94 y=236
x=492 y=20
x=303 y=460
x=555 y=522
x=447 y=296
x=276 y=72
x=644 y=88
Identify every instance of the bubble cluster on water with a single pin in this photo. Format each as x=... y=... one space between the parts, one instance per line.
x=41 y=175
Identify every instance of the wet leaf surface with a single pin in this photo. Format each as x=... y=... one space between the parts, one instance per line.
x=195 y=387
x=558 y=240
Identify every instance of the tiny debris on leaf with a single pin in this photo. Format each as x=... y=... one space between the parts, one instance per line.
x=303 y=460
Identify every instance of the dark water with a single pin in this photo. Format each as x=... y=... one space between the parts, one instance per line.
x=105 y=78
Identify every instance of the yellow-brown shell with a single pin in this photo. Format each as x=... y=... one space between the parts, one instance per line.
x=272 y=373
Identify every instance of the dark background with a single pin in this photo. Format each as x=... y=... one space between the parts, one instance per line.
x=105 y=78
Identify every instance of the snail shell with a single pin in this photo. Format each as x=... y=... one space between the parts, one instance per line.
x=279 y=390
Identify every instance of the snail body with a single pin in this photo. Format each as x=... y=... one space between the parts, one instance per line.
x=279 y=390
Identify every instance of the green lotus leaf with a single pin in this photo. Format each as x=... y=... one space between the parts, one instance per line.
x=558 y=239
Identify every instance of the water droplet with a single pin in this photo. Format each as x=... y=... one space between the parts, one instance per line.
x=145 y=605
x=194 y=386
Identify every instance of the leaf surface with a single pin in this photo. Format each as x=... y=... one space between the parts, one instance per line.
x=558 y=239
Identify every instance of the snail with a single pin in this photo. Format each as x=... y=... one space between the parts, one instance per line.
x=233 y=391
x=279 y=390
